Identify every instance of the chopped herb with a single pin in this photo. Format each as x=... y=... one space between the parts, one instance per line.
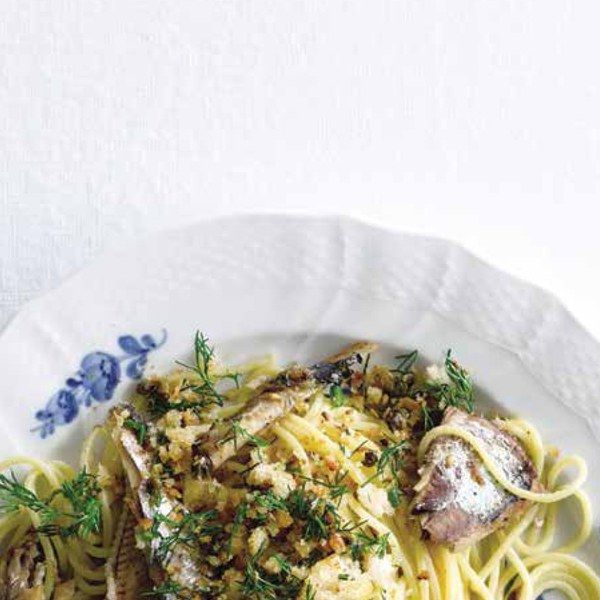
x=361 y=445
x=315 y=512
x=137 y=427
x=363 y=544
x=164 y=589
x=237 y=432
x=426 y=417
x=284 y=565
x=189 y=529
x=458 y=393
x=343 y=576
x=241 y=513
x=256 y=583
x=81 y=492
x=405 y=362
x=160 y=404
x=309 y=592
x=269 y=501
x=15 y=496
x=389 y=460
x=364 y=374
x=336 y=396
x=261 y=585
x=203 y=357
x=336 y=488
x=393 y=495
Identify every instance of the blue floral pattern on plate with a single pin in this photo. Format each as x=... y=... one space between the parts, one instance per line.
x=96 y=379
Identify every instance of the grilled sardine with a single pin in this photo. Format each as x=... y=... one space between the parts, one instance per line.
x=126 y=569
x=153 y=505
x=458 y=500
x=276 y=398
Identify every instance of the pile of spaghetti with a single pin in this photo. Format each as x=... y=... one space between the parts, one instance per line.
x=260 y=483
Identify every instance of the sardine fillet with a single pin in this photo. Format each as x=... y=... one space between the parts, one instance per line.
x=276 y=398
x=127 y=569
x=458 y=501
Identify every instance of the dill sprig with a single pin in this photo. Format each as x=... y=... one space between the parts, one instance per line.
x=426 y=418
x=337 y=397
x=337 y=489
x=319 y=515
x=188 y=529
x=171 y=588
x=269 y=501
x=203 y=357
x=241 y=514
x=363 y=544
x=139 y=428
x=390 y=460
x=164 y=589
x=237 y=432
x=81 y=493
x=265 y=586
x=15 y=496
x=405 y=362
x=457 y=393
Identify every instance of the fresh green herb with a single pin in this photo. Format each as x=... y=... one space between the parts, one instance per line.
x=188 y=529
x=364 y=375
x=336 y=488
x=426 y=417
x=164 y=589
x=361 y=445
x=269 y=501
x=261 y=585
x=203 y=357
x=81 y=492
x=319 y=515
x=159 y=403
x=389 y=460
x=309 y=592
x=15 y=496
x=336 y=396
x=237 y=433
x=458 y=393
x=315 y=512
x=393 y=495
x=137 y=427
x=405 y=362
x=241 y=513
x=284 y=565
x=343 y=576
x=363 y=544
x=255 y=583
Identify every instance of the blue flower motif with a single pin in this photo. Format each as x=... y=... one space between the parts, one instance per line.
x=64 y=406
x=98 y=376
x=100 y=373
x=138 y=351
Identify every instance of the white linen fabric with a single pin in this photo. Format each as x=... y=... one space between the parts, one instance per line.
x=477 y=123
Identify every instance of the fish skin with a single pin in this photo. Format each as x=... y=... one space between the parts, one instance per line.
x=180 y=564
x=275 y=399
x=458 y=501
x=126 y=569
x=23 y=562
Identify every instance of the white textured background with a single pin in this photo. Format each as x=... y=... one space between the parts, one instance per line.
x=474 y=121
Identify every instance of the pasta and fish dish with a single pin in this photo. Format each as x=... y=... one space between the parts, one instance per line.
x=343 y=479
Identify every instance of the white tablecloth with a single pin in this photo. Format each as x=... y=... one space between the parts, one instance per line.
x=474 y=121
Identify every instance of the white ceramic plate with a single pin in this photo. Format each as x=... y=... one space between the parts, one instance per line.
x=298 y=287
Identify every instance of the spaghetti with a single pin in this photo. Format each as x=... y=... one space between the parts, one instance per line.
x=316 y=503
